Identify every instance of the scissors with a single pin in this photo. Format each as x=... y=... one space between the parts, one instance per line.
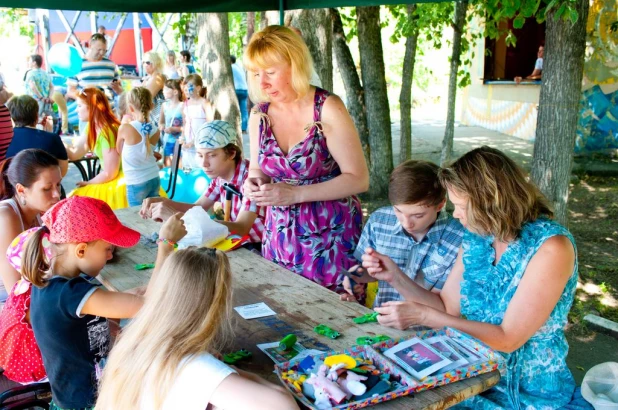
x=357 y=272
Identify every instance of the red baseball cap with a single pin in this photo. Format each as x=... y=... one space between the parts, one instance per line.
x=82 y=219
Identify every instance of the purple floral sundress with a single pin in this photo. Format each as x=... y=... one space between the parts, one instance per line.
x=312 y=239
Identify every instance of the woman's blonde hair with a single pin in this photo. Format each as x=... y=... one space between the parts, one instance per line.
x=186 y=313
x=155 y=59
x=277 y=45
x=500 y=198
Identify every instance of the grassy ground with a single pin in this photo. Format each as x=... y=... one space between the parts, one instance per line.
x=593 y=221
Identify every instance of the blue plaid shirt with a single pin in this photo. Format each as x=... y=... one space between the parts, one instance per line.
x=433 y=257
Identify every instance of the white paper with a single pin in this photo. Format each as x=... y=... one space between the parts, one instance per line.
x=254 y=311
x=201 y=230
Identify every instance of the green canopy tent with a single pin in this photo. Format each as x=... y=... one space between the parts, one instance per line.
x=185 y=6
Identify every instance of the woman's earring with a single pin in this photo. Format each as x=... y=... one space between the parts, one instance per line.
x=23 y=201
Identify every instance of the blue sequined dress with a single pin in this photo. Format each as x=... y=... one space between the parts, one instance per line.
x=537 y=374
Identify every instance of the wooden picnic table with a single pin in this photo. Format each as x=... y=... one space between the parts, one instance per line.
x=300 y=305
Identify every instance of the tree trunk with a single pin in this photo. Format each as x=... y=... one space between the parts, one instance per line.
x=376 y=99
x=405 y=96
x=268 y=18
x=214 y=53
x=316 y=29
x=447 y=143
x=355 y=95
x=188 y=39
x=250 y=27
x=559 y=107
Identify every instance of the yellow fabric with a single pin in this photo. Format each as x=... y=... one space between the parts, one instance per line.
x=372 y=292
x=114 y=192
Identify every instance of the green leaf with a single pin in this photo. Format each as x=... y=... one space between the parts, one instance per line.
x=573 y=16
x=519 y=22
x=560 y=11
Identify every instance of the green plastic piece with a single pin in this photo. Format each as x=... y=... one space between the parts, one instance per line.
x=287 y=342
x=142 y=266
x=371 y=340
x=326 y=331
x=234 y=357
x=368 y=318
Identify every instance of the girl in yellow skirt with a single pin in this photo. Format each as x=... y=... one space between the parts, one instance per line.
x=100 y=138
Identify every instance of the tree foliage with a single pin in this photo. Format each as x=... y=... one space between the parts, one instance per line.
x=15 y=20
x=238 y=32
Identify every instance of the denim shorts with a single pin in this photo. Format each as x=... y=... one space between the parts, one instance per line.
x=137 y=193
x=168 y=148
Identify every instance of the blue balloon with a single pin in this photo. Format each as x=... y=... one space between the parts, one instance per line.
x=189 y=187
x=64 y=59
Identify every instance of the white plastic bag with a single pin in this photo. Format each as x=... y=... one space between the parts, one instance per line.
x=201 y=230
x=600 y=386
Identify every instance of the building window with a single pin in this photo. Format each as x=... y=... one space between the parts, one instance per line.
x=505 y=63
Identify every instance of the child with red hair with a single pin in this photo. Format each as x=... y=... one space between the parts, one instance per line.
x=99 y=138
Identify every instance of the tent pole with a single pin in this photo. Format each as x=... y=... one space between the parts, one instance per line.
x=281 y=13
x=137 y=32
x=93 y=22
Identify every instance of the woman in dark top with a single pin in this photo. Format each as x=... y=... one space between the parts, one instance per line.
x=25 y=112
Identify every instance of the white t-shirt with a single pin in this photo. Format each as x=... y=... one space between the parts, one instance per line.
x=194 y=386
x=539 y=64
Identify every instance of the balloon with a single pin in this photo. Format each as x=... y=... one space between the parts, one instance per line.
x=189 y=187
x=64 y=59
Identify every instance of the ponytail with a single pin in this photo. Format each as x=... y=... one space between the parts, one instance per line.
x=6 y=189
x=34 y=263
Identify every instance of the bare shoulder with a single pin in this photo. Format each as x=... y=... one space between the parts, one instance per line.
x=10 y=222
x=333 y=105
x=128 y=133
x=556 y=246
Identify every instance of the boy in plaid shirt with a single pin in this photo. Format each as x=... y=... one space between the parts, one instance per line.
x=416 y=232
x=219 y=153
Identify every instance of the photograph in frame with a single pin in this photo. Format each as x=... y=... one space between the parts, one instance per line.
x=417 y=358
x=440 y=344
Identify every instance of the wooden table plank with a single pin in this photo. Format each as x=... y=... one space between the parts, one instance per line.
x=300 y=305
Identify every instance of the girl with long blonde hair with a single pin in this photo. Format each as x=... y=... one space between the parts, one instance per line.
x=164 y=357
x=136 y=142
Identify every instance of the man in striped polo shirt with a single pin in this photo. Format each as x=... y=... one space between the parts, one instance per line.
x=97 y=71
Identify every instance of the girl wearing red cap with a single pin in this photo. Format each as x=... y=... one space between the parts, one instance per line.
x=67 y=312
x=164 y=358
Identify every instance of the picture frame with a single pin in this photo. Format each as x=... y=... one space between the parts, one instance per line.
x=441 y=345
x=418 y=358
x=469 y=354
